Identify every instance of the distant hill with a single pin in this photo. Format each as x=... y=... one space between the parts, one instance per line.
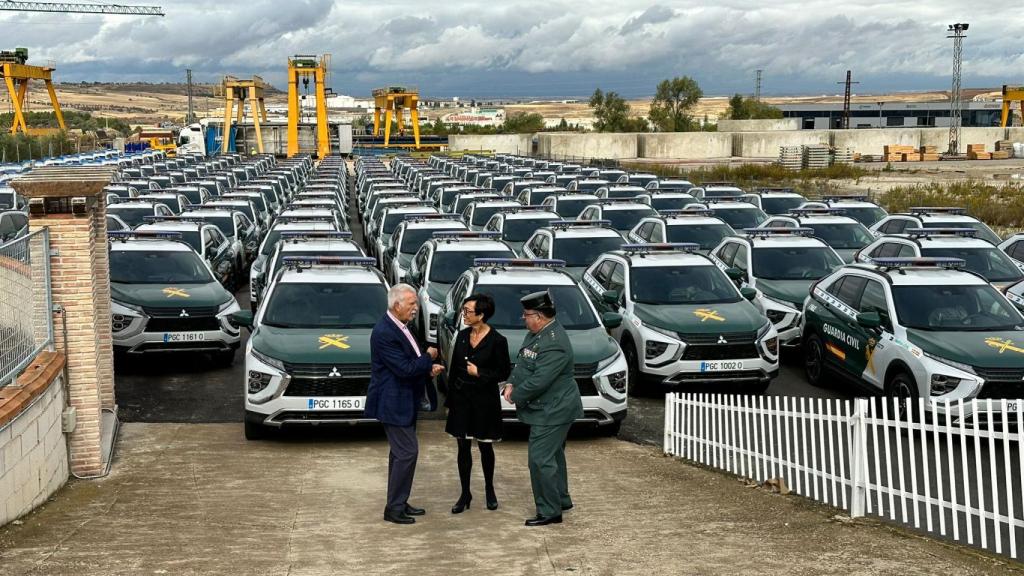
x=168 y=88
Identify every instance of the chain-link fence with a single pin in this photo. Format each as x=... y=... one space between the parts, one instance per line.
x=26 y=324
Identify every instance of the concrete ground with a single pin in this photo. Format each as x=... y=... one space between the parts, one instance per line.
x=199 y=499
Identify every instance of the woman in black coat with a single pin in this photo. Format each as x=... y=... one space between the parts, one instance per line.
x=479 y=362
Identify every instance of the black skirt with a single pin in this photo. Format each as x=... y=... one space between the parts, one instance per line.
x=474 y=402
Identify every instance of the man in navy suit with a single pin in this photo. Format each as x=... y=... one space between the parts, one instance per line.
x=400 y=374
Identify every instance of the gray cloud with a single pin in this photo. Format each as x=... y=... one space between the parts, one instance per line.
x=555 y=47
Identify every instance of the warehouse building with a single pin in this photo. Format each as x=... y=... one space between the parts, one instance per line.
x=891 y=114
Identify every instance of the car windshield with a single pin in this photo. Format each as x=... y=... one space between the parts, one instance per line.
x=571 y=208
x=984 y=232
x=991 y=262
x=157 y=267
x=780 y=205
x=392 y=220
x=671 y=202
x=794 y=263
x=839 y=236
x=574 y=312
x=132 y=215
x=447 y=265
x=954 y=308
x=707 y=235
x=583 y=251
x=327 y=306
x=681 y=285
x=413 y=238
x=867 y=215
x=740 y=218
x=519 y=229
x=481 y=214
x=626 y=219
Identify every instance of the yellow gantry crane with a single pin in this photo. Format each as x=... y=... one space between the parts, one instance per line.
x=302 y=69
x=1012 y=94
x=17 y=75
x=392 y=100
x=240 y=91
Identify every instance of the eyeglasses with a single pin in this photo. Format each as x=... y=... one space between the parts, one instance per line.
x=528 y=314
x=469 y=312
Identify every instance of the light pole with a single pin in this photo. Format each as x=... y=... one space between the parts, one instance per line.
x=956 y=32
x=880 y=125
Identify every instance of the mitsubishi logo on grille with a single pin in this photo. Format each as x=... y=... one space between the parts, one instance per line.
x=184 y=313
x=334 y=372
x=722 y=340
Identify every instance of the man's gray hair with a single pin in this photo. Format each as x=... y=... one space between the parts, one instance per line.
x=396 y=291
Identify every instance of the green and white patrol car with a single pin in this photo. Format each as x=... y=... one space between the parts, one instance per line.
x=311 y=244
x=934 y=217
x=517 y=223
x=410 y=235
x=308 y=359
x=623 y=213
x=165 y=299
x=775 y=201
x=258 y=270
x=857 y=207
x=979 y=256
x=438 y=264
x=684 y=320
x=600 y=367
x=844 y=234
x=575 y=242
x=208 y=241
x=694 y=225
x=735 y=212
x=916 y=328
x=781 y=264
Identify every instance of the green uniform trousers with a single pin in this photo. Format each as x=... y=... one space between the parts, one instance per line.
x=548 y=474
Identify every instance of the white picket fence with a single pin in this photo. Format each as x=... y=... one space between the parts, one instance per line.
x=956 y=480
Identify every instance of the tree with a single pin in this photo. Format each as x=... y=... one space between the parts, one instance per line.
x=563 y=125
x=612 y=114
x=522 y=123
x=673 y=100
x=741 y=108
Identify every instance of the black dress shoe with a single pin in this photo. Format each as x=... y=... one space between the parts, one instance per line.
x=567 y=508
x=492 y=500
x=542 y=521
x=462 y=505
x=414 y=511
x=398 y=518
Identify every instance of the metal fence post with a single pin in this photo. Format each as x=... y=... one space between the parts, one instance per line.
x=668 y=425
x=858 y=458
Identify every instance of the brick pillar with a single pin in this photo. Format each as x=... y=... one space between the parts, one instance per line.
x=80 y=283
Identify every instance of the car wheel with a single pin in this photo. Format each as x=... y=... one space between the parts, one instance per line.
x=612 y=429
x=814 y=360
x=254 y=431
x=903 y=388
x=636 y=385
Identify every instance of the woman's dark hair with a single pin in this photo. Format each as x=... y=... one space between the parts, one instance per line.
x=483 y=303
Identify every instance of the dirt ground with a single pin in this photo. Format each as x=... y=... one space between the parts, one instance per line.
x=199 y=499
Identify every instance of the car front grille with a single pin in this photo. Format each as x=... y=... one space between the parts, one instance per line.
x=318 y=380
x=730 y=376
x=720 y=352
x=1001 y=382
x=584 y=376
x=713 y=338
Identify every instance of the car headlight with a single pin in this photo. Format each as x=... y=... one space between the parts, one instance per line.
x=125 y=309
x=272 y=362
x=943 y=384
x=228 y=307
x=662 y=331
x=653 y=349
x=258 y=381
x=789 y=306
x=958 y=365
x=613 y=369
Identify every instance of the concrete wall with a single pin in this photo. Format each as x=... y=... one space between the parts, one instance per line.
x=766 y=144
x=499 y=143
x=758 y=125
x=868 y=141
x=685 y=145
x=33 y=455
x=592 y=145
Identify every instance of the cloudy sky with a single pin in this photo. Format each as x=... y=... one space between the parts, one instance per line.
x=544 y=49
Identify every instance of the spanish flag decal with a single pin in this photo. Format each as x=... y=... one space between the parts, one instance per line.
x=835 y=351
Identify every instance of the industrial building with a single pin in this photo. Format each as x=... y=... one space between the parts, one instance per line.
x=891 y=114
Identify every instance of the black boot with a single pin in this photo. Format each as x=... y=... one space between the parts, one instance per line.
x=487 y=463
x=463 y=504
x=465 y=461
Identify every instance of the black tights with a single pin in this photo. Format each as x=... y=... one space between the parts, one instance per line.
x=466 y=464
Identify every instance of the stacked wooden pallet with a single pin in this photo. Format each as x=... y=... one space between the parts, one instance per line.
x=900 y=153
x=790 y=157
x=843 y=156
x=977 y=152
x=1004 y=150
x=816 y=156
x=929 y=153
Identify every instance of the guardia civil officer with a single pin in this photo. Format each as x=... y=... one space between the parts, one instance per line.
x=548 y=400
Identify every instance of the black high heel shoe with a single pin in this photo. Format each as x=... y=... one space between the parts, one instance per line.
x=492 y=500
x=462 y=505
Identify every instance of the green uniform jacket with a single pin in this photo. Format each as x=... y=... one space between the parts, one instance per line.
x=543 y=388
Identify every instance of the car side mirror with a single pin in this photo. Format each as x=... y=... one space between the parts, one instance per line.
x=735 y=274
x=610 y=296
x=611 y=320
x=243 y=318
x=870 y=320
x=748 y=293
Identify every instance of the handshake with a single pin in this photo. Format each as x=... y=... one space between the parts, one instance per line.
x=436 y=369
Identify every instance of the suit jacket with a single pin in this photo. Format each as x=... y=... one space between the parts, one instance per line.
x=398 y=377
x=543 y=386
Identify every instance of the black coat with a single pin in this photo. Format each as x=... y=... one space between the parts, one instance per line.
x=474 y=402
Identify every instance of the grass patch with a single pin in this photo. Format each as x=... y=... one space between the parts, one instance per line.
x=1001 y=207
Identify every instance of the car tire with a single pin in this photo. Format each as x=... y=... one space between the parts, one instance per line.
x=636 y=383
x=611 y=430
x=254 y=431
x=814 y=361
